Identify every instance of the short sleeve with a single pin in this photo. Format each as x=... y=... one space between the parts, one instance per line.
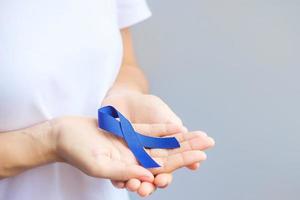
x=130 y=12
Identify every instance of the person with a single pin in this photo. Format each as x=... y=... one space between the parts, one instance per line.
x=60 y=61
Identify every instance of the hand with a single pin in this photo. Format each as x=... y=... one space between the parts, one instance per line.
x=80 y=142
x=141 y=108
x=144 y=108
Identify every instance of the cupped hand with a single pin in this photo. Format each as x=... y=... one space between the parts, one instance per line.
x=97 y=153
x=141 y=108
x=145 y=108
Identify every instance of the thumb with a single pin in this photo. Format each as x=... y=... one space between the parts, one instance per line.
x=159 y=130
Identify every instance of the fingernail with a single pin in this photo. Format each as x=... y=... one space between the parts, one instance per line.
x=184 y=129
x=204 y=156
x=212 y=141
x=164 y=186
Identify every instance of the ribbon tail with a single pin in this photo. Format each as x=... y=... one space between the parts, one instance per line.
x=141 y=155
x=159 y=143
x=134 y=144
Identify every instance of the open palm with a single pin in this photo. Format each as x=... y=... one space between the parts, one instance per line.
x=149 y=109
x=101 y=154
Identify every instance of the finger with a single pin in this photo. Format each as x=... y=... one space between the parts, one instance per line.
x=192 y=142
x=188 y=141
x=118 y=170
x=133 y=184
x=176 y=161
x=173 y=118
x=181 y=137
x=118 y=184
x=170 y=115
x=159 y=130
x=160 y=111
x=194 y=166
x=163 y=180
x=146 y=189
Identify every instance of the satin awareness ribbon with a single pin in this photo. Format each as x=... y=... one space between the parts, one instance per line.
x=111 y=120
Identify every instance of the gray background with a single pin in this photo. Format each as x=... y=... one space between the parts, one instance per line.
x=230 y=68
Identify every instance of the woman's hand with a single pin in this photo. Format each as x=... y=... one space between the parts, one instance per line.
x=97 y=153
x=145 y=108
x=141 y=108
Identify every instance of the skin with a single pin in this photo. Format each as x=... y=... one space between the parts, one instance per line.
x=78 y=141
x=130 y=95
x=139 y=106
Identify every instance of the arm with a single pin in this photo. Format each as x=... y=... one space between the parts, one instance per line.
x=34 y=146
x=130 y=77
x=62 y=139
x=129 y=94
x=79 y=142
x=25 y=149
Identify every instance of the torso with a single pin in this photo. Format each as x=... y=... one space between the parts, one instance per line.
x=57 y=58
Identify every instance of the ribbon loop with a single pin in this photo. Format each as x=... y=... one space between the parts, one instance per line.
x=111 y=120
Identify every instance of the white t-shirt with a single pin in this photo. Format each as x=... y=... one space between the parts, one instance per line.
x=57 y=58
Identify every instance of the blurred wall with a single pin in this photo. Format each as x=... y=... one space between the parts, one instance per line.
x=232 y=69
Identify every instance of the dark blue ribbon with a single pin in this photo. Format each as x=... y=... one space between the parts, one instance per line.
x=111 y=120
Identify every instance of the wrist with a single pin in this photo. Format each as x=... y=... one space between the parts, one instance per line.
x=38 y=144
x=49 y=141
x=27 y=148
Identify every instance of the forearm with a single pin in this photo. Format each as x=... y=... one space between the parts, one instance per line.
x=130 y=78
x=24 y=149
